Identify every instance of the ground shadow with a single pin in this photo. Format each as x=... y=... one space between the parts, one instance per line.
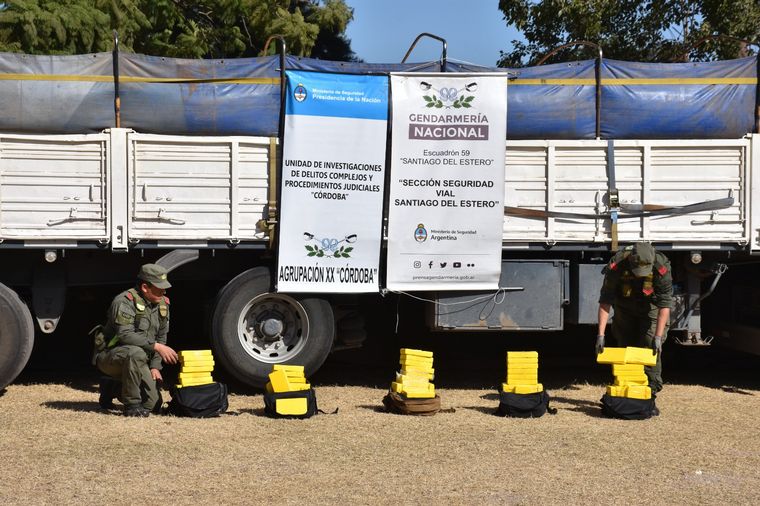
x=481 y=409
x=589 y=408
x=81 y=406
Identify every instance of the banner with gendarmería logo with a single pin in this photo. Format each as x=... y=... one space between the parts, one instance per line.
x=333 y=181
x=446 y=210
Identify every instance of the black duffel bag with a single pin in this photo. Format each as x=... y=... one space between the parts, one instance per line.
x=296 y=404
x=199 y=401
x=628 y=409
x=524 y=405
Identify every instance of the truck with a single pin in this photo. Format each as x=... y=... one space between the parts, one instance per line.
x=112 y=159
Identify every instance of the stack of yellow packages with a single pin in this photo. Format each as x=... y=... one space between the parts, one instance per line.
x=522 y=373
x=413 y=380
x=196 y=367
x=628 y=368
x=287 y=378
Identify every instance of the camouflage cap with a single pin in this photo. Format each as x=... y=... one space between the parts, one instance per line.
x=154 y=274
x=642 y=259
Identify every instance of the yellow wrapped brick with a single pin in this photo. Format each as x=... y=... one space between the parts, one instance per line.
x=639 y=392
x=522 y=354
x=194 y=375
x=522 y=377
x=196 y=361
x=279 y=381
x=196 y=354
x=620 y=381
x=643 y=356
x=617 y=390
x=412 y=380
x=424 y=364
x=611 y=356
x=288 y=368
x=420 y=393
x=196 y=381
x=521 y=388
x=416 y=353
x=190 y=368
x=295 y=406
x=627 y=369
x=419 y=374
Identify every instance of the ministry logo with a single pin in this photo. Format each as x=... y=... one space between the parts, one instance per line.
x=299 y=93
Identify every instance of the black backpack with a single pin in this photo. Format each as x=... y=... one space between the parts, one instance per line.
x=199 y=401
x=305 y=402
x=524 y=405
x=627 y=409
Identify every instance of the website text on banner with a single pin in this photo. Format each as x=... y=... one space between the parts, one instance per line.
x=447 y=181
x=333 y=175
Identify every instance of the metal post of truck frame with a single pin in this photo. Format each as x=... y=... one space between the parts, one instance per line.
x=116 y=98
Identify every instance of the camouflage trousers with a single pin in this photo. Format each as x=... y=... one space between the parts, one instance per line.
x=129 y=364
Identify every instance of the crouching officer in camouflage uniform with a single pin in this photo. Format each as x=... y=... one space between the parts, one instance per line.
x=133 y=343
x=639 y=286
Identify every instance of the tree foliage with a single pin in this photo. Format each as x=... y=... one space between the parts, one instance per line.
x=176 y=28
x=646 y=30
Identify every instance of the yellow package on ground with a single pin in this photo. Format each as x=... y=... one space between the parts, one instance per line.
x=522 y=389
x=296 y=406
x=416 y=353
x=412 y=380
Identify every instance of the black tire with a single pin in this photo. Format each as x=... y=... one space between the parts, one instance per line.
x=305 y=338
x=16 y=335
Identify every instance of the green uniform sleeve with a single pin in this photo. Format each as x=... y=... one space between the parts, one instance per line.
x=122 y=315
x=663 y=287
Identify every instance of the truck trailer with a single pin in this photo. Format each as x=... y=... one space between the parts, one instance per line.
x=110 y=159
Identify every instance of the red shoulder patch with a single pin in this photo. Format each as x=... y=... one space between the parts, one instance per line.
x=613 y=266
x=648 y=291
x=130 y=296
x=662 y=270
x=166 y=299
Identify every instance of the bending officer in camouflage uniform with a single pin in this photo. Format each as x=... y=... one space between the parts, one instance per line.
x=639 y=286
x=134 y=342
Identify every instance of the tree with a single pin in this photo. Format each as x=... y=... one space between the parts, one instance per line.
x=647 y=30
x=176 y=28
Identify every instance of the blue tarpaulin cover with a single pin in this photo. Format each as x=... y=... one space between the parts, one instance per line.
x=74 y=94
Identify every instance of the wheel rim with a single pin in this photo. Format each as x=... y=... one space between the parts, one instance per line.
x=273 y=328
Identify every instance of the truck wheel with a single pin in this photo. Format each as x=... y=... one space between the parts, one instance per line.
x=252 y=328
x=16 y=335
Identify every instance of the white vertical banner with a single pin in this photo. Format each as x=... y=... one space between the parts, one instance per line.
x=333 y=179
x=446 y=212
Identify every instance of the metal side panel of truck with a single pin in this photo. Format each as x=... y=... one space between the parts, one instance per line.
x=119 y=192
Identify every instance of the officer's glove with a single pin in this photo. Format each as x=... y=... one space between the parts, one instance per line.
x=657 y=345
x=599 y=344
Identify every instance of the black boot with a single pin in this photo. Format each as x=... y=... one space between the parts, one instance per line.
x=136 y=410
x=108 y=389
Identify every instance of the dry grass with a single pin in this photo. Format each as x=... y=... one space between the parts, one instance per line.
x=58 y=448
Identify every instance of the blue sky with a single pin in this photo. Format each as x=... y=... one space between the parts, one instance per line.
x=383 y=30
